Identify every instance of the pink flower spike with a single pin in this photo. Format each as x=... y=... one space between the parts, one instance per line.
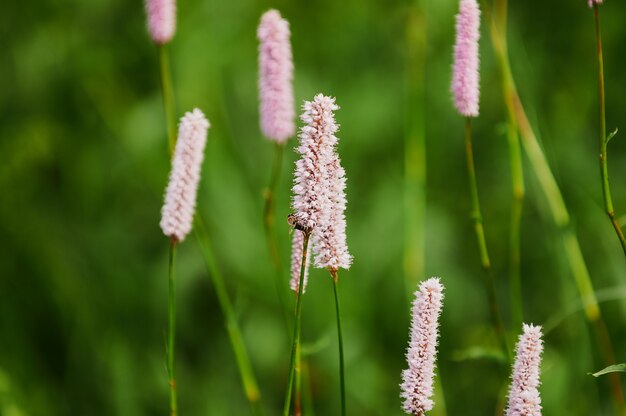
x=316 y=149
x=297 y=244
x=465 y=77
x=180 y=196
x=417 y=380
x=161 y=20
x=524 y=399
x=275 y=78
x=329 y=239
x=592 y=2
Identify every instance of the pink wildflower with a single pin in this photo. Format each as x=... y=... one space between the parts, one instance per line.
x=524 y=399
x=417 y=384
x=329 y=239
x=180 y=196
x=316 y=149
x=297 y=244
x=275 y=78
x=161 y=20
x=465 y=78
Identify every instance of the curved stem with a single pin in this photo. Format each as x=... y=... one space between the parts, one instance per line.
x=168 y=96
x=171 y=308
x=485 y=262
x=604 y=170
x=297 y=327
x=342 y=379
x=251 y=389
x=553 y=195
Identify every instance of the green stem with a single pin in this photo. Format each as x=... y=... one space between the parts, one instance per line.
x=298 y=386
x=297 y=327
x=415 y=148
x=517 y=202
x=269 y=221
x=550 y=188
x=604 y=169
x=168 y=96
x=485 y=262
x=246 y=373
x=342 y=378
x=171 y=308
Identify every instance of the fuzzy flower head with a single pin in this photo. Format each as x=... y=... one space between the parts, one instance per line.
x=297 y=245
x=161 y=20
x=275 y=78
x=329 y=239
x=524 y=399
x=417 y=380
x=465 y=77
x=592 y=2
x=316 y=149
x=180 y=196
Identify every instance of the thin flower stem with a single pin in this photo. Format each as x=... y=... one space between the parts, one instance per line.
x=168 y=96
x=482 y=244
x=297 y=327
x=251 y=389
x=171 y=308
x=342 y=378
x=517 y=206
x=415 y=148
x=269 y=221
x=298 y=386
x=517 y=201
x=604 y=170
x=550 y=188
x=250 y=385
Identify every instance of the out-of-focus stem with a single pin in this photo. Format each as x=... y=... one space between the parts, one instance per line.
x=251 y=389
x=604 y=169
x=297 y=327
x=415 y=147
x=556 y=204
x=485 y=262
x=342 y=379
x=168 y=96
x=171 y=308
x=517 y=182
x=269 y=221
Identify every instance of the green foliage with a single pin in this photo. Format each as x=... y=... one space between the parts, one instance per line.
x=83 y=264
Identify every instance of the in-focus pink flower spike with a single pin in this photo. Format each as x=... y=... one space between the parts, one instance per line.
x=161 y=20
x=180 y=196
x=317 y=151
x=417 y=380
x=276 y=77
x=524 y=399
x=329 y=239
x=592 y=2
x=465 y=77
x=297 y=243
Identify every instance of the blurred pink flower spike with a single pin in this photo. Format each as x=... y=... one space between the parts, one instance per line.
x=276 y=78
x=180 y=196
x=465 y=77
x=297 y=243
x=161 y=20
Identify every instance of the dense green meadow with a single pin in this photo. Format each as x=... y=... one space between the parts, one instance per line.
x=84 y=162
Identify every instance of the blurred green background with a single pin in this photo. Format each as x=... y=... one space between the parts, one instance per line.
x=84 y=162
